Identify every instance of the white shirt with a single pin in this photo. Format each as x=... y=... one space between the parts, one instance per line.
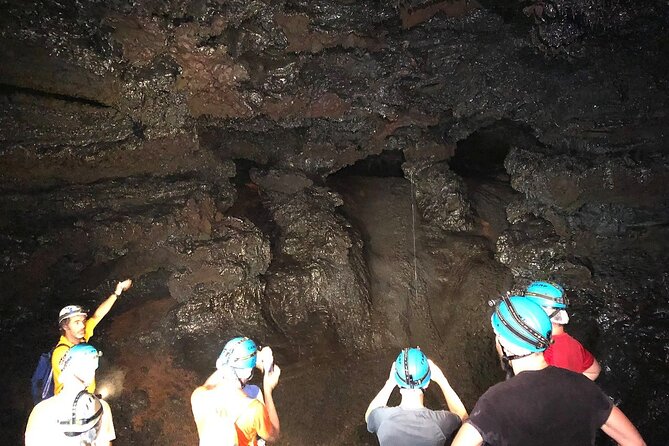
x=43 y=428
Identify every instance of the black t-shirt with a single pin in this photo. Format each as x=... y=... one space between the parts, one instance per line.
x=548 y=407
x=416 y=427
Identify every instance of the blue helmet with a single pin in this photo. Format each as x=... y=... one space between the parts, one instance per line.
x=547 y=294
x=522 y=323
x=412 y=370
x=78 y=354
x=239 y=353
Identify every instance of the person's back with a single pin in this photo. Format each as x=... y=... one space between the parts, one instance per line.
x=542 y=404
x=74 y=416
x=411 y=423
x=216 y=413
x=46 y=424
x=551 y=407
x=252 y=422
x=224 y=413
x=396 y=426
x=568 y=353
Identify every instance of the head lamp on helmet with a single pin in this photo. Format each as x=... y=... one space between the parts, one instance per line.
x=412 y=370
x=70 y=311
x=522 y=323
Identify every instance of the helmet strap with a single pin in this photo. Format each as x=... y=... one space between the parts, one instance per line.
x=506 y=366
x=242 y=382
x=408 y=377
x=82 y=422
x=506 y=356
x=539 y=340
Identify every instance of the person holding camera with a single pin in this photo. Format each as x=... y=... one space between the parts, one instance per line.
x=229 y=411
x=411 y=422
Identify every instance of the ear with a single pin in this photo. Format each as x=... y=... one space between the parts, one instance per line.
x=225 y=372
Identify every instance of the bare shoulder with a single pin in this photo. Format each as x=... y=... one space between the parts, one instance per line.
x=105 y=406
x=42 y=411
x=199 y=395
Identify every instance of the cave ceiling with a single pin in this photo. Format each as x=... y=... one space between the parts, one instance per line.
x=318 y=85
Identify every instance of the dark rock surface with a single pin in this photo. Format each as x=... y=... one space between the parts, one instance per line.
x=319 y=278
x=201 y=148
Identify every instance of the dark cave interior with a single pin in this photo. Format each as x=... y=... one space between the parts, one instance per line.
x=337 y=179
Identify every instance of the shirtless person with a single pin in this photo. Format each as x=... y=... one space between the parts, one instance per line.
x=225 y=414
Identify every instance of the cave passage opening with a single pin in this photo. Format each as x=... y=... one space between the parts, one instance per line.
x=481 y=155
x=386 y=164
x=248 y=203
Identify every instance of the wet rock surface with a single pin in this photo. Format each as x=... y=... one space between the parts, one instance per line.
x=319 y=277
x=201 y=148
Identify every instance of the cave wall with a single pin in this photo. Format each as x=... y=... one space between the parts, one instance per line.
x=120 y=123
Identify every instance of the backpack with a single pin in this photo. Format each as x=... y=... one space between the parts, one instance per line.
x=42 y=380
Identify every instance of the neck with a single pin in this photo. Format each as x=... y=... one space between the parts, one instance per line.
x=72 y=339
x=411 y=399
x=73 y=385
x=535 y=361
x=557 y=329
x=223 y=382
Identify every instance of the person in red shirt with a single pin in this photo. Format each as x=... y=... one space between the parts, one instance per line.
x=541 y=404
x=565 y=351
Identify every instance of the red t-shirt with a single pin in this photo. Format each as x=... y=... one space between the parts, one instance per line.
x=567 y=353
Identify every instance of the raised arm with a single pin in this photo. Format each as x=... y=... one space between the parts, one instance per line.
x=621 y=429
x=108 y=303
x=381 y=398
x=453 y=401
x=467 y=436
x=270 y=381
x=593 y=371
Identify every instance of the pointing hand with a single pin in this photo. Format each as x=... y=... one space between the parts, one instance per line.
x=123 y=286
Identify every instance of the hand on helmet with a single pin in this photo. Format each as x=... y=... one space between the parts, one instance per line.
x=437 y=375
x=391 y=375
x=122 y=286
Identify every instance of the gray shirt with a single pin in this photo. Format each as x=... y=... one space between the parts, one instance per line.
x=417 y=427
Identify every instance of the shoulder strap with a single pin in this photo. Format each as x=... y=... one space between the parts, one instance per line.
x=60 y=345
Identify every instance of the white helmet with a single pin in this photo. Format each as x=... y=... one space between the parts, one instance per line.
x=70 y=311
x=85 y=415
